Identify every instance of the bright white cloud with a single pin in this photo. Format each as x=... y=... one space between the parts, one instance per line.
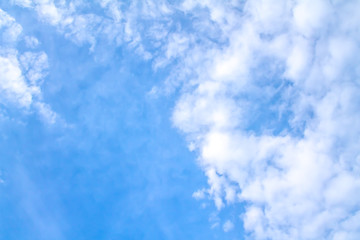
x=21 y=74
x=301 y=183
x=13 y=86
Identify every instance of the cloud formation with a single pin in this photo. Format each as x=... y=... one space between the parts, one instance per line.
x=21 y=73
x=269 y=98
x=274 y=116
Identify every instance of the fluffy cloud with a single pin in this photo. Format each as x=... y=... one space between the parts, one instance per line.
x=13 y=85
x=274 y=116
x=21 y=73
x=10 y=29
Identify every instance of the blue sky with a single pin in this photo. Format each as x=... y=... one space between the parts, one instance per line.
x=179 y=119
x=112 y=167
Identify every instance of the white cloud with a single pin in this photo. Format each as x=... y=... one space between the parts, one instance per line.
x=199 y=194
x=269 y=101
x=46 y=113
x=228 y=226
x=23 y=3
x=24 y=90
x=299 y=59
x=21 y=74
x=9 y=29
x=35 y=65
x=49 y=12
x=13 y=86
x=31 y=42
x=301 y=183
x=311 y=17
x=124 y=22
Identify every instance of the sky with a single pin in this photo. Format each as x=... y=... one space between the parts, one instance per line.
x=179 y=119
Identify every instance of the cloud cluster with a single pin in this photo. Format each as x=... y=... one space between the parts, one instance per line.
x=21 y=73
x=274 y=115
x=269 y=98
x=114 y=22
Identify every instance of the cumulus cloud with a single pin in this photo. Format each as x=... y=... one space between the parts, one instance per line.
x=299 y=182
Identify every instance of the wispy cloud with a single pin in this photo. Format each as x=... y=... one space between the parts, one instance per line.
x=228 y=226
x=21 y=73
